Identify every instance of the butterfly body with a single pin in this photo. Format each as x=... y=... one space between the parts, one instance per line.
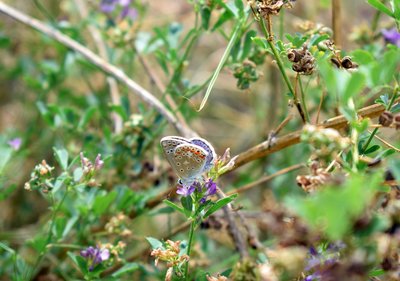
x=189 y=158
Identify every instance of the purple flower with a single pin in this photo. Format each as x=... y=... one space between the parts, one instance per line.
x=211 y=189
x=15 y=143
x=185 y=190
x=107 y=6
x=312 y=277
x=98 y=163
x=128 y=12
x=391 y=36
x=320 y=258
x=95 y=256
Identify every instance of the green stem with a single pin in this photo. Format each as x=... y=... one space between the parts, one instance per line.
x=281 y=67
x=189 y=248
x=50 y=232
x=303 y=100
x=277 y=57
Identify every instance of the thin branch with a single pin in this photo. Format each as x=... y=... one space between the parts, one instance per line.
x=386 y=143
x=108 y=68
x=265 y=179
x=263 y=149
x=234 y=231
x=102 y=49
x=154 y=78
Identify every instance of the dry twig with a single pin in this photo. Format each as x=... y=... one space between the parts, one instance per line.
x=108 y=68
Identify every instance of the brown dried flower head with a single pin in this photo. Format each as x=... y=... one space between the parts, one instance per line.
x=303 y=60
x=170 y=254
x=312 y=182
x=265 y=8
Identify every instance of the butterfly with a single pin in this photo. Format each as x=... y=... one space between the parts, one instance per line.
x=189 y=158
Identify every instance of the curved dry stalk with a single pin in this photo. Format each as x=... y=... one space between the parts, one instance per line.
x=265 y=179
x=263 y=149
x=108 y=68
x=234 y=231
x=385 y=142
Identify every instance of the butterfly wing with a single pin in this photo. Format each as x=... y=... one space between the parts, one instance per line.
x=188 y=162
x=211 y=156
x=169 y=144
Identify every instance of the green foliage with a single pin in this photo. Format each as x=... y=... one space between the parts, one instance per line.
x=189 y=55
x=334 y=209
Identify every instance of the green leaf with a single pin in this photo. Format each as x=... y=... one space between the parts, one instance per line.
x=6 y=192
x=385 y=153
x=388 y=66
x=59 y=182
x=59 y=226
x=187 y=204
x=219 y=204
x=5 y=156
x=376 y=272
x=396 y=9
x=127 y=268
x=377 y=4
x=334 y=209
x=260 y=42
x=102 y=203
x=155 y=243
x=61 y=157
x=372 y=149
x=247 y=43
x=80 y=262
x=205 y=13
x=8 y=249
x=174 y=206
x=86 y=117
x=224 y=58
x=354 y=86
x=225 y=16
x=362 y=57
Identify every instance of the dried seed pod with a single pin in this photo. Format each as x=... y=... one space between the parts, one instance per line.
x=336 y=62
x=303 y=61
x=294 y=55
x=386 y=119
x=396 y=121
x=347 y=63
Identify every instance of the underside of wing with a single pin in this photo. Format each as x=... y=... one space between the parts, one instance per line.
x=189 y=160
x=211 y=156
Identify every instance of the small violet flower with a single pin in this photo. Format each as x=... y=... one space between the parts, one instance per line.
x=95 y=256
x=15 y=143
x=210 y=189
x=108 y=6
x=313 y=277
x=391 y=36
x=319 y=259
x=186 y=190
